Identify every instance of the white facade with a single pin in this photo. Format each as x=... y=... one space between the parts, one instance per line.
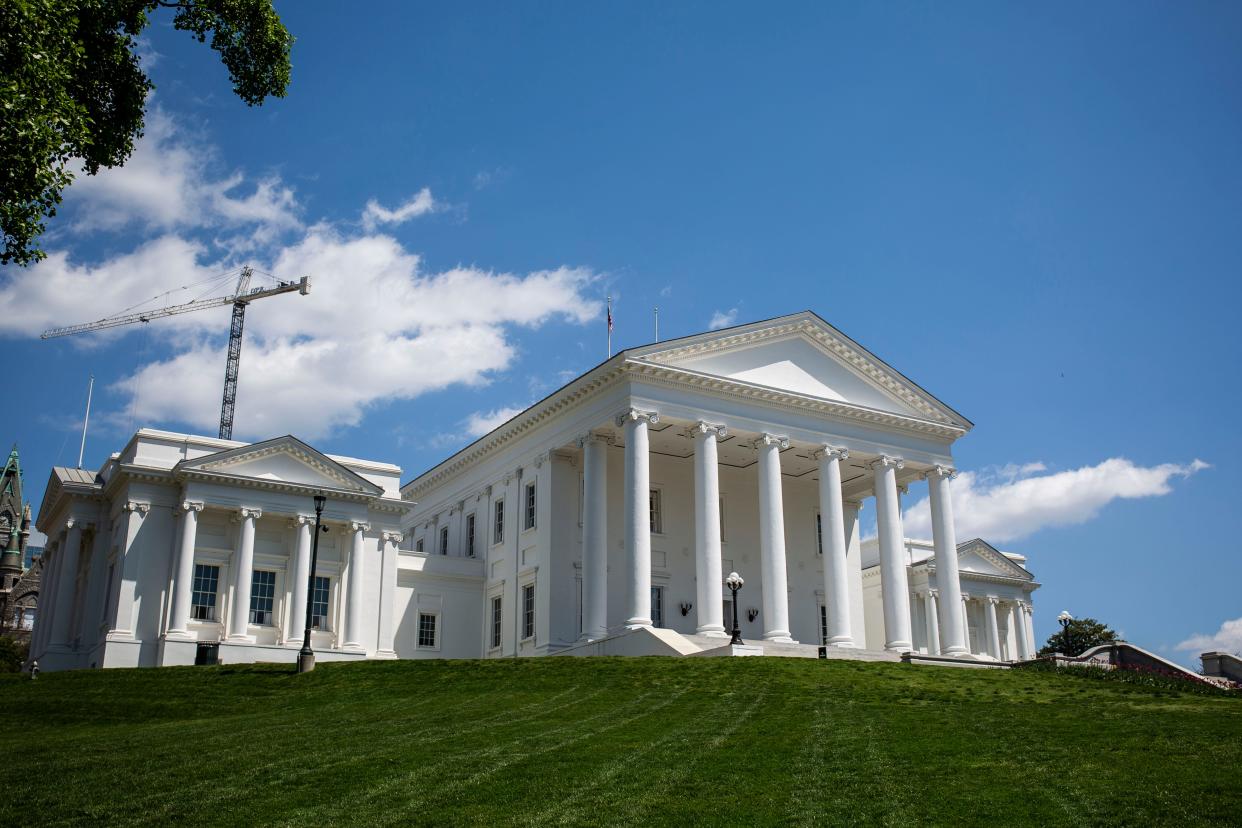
x=618 y=503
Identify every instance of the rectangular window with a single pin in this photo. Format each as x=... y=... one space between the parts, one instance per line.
x=319 y=603
x=819 y=534
x=498 y=529
x=418 y=545
x=262 y=595
x=823 y=624
x=443 y=540
x=530 y=506
x=657 y=606
x=496 y=620
x=28 y=616
x=528 y=611
x=203 y=598
x=426 y=630
x=470 y=535
x=657 y=519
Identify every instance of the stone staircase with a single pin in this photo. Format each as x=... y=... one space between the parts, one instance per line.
x=778 y=650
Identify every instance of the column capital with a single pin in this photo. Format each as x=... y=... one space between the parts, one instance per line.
x=886 y=461
x=137 y=506
x=633 y=415
x=965 y=597
x=856 y=505
x=363 y=526
x=702 y=428
x=70 y=523
x=248 y=512
x=933 y=593
x=993 y=600
x=191 y=505
x=827 y=452
x=943 y=472
x=596 y=436
x=301 y=520
x=393 y=537
x=767 y=439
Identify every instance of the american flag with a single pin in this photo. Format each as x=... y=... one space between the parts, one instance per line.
x=609 y=314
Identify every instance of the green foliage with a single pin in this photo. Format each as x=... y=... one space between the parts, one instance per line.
x=72 y=90
x=1142 y=676
x=1082 y=635
x=653 y=741
x=12 y=655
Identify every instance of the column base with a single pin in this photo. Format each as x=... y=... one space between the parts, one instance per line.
x=385 y=654
x=899 y=647
x=352 y=648
x=843 y=643
x=712 y=631
x=238 y=638
x=638 y=623
x=594 y=635
x=179 y=635
x=779 y=637
x=955 y=652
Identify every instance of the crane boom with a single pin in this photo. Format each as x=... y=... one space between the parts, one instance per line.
x=242 y=296
x=302 y=286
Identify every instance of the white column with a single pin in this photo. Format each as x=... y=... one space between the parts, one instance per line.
x=638 y=513
x=894 y=587
x=303 y=525
x=832 y=532
x=966 y=619
x=993 y=630
x=933 y=625
x=594 y=537
x=66 y=584
x=1030 y=630
x=388 y=595
x=853 y=569
x=243 y=572
x=707 y=568
x=183 y=575
x=354 y=601
x=944 y=537
x=772 y=539
x=47 y=607
x=1017 y=624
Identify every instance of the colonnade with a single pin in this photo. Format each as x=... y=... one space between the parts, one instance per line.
x=1017 y=614
x=951 y=627
x=352 y=636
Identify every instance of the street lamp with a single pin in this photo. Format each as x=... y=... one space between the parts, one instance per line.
x=1064 y=620
x=306 y=656
x=735 y=582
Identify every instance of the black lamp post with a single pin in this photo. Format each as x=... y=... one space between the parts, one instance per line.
x=734 y=582
x=1065 y=618
x=306 y=656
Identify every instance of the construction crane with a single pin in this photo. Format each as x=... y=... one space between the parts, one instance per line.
x=242 y=296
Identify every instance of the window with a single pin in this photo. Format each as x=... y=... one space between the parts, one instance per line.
x=528 y=611
x=443 y=540
x=319 y=603
x=823 y=625
x=27 y=618
x=470 y=535
x=657 y=606
x=498 y=529
x=657 y=519
x=819 y=534
x=496 y=619
x=426 y=630
x=262 y=594
x=418 y=545
x=530 y=506
x=203 y=597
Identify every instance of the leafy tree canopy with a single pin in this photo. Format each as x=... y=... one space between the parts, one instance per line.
x=72 y=90
x=1081 y=635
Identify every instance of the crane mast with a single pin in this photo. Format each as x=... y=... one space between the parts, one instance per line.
x=242 y=296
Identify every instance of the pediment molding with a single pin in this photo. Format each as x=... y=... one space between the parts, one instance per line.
x=225 y=465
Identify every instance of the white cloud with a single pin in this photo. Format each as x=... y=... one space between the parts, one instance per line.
x=420 y=204
x=722 y=319
x=1227 y=639
x=482 y=422
x=376 y=327
x=1016 y=501
x=169 y=183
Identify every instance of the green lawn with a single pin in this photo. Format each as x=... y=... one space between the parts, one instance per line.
x=614 y=741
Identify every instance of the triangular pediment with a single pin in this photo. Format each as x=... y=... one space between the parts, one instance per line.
x=282 y=460
x=801 y=354
x=980 y=557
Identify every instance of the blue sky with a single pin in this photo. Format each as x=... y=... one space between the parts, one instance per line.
x=1030 y=210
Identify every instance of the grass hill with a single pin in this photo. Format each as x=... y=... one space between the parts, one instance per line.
x=612 y=741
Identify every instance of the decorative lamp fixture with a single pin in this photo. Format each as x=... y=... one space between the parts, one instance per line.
x=734 y=582
x=752 y=614
x=686 y=607
x=306 y=656
x=1064 y=620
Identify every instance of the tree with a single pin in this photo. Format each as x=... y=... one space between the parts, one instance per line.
x=1081 y=635
x=72 y=90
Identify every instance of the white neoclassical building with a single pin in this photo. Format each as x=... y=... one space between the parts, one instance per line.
x=603 y=519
